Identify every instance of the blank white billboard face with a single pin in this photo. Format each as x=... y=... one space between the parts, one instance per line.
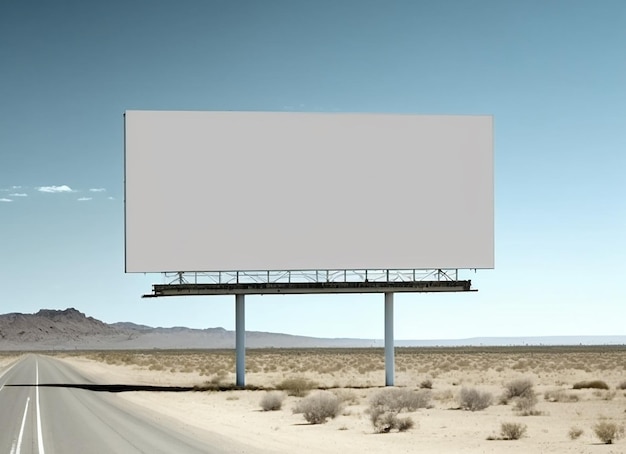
x=225 y=191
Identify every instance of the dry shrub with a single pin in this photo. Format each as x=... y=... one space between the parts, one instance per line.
x=559 y=395
x=604 y=395
x=444 y=396
x=525 y=406
x=297 y=386
x=346 y=396
x=387 y=403
x=473 y=400
x=575 y=432
x=426 y=384
x=591 y=384
x=512 y=430
x=608 y=431
x=523 y=395
x=622 y=385
x=318 y=407
x=522 y=387
x=396 y=399
x=387 y=421
x=218 y=378
x=272 y=401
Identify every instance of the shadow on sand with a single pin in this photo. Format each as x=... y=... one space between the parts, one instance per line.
x=114 y=388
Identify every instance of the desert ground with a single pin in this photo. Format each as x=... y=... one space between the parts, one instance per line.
x=555 y=417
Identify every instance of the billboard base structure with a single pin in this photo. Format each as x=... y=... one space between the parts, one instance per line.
x=240 y=283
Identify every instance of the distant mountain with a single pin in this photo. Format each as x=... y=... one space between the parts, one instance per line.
x=131 y=326
x=71 y=329
x=515 y=341
x=47 y=325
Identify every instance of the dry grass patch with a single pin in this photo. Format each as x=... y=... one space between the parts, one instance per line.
x=346 y=396
x=296 y=386
x=519 y=388
x=388 y=421
x=560 y=395
x=387 y=403
x=363 y=367
x=397 y=399
x=512 y=430
x=575 y=432
x=272 y=400
x=608 y=431
x=319 y=407
x=426 y=384
x=473 y=400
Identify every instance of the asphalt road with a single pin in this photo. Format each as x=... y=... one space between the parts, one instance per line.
x=42 y=419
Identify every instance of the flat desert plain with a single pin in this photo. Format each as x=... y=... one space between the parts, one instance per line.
x=528 y=388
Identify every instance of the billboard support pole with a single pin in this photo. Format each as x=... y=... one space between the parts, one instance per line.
x=389 y=347
x=240 y=339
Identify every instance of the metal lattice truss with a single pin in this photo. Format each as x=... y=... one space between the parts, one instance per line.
x=313 y=277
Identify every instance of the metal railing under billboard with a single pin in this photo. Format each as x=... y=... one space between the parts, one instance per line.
x=310 y=276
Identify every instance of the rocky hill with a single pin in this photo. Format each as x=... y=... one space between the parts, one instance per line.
x=71 y=329
x=47 y=324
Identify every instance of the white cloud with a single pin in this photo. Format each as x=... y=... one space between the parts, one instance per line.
x=97 y=190
x=111 y=198
x=18 y=194
x=84 y=199
x=16 y=187
x=55 y=189
x=5 y=200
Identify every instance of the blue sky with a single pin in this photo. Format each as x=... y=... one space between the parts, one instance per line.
x=553 y=75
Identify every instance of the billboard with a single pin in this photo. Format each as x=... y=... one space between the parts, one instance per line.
x=227 y=191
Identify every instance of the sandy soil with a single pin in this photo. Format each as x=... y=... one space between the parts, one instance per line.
x=440 y=429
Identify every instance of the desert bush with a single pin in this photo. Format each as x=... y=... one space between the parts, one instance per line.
x=426 y=384
x=272 y=400
x=525 y=406
x=522 y=387
x=512 y=430
x=346 y=396
x=386 y=421
x=218 y=378
x=575 y=432
x=396 y=399
x=523 y=395
x=473 y=400
x=318 y=407
x=604 y=395
x=592 y=384
x=444 y=396
x=297 y=386
x=559 y=395
x=622 y=385
x=404 y=424
x=608 y=431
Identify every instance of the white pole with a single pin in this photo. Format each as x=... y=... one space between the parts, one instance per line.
x=389 y=347
x=240 y=339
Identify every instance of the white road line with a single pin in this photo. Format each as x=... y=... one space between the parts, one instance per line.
x=18 y=448
x=39 y=436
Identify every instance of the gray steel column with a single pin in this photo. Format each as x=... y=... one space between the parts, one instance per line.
x=389 y=347
x=240 y=339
